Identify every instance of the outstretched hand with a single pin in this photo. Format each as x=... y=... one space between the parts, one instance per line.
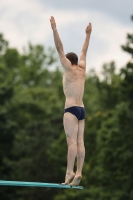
x=88 y=29
x=53 y=23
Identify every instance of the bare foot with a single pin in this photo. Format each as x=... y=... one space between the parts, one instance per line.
x=76 y=180
x=68 y=177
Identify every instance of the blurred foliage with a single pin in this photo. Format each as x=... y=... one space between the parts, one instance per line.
x=32 y=140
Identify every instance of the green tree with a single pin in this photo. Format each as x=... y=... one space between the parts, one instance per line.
x=7 y=125
x=128 y=47
x=115 y=143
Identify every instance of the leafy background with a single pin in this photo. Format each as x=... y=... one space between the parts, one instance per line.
x=32 y=140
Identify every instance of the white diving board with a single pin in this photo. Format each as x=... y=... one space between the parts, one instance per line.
x=37 y=184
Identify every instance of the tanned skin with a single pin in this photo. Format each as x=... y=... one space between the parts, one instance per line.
x=73 y=87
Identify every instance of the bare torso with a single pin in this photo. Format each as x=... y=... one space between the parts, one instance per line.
x=73 y=86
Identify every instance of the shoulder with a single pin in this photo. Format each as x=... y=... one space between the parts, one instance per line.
x=64 y=61
x=82 y=64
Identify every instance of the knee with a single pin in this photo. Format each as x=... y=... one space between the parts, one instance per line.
x=80 y=143
x=71 y=142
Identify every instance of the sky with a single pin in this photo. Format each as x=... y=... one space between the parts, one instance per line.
x=23 y=21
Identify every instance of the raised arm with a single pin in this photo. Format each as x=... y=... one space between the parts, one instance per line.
x=59 y=46
x=82 y=61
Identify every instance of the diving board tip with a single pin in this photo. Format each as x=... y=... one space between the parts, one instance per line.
x=37 y=184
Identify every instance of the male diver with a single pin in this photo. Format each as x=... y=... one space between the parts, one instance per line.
x=74 y=113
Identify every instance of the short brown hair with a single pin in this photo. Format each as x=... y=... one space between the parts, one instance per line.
x=73 y=58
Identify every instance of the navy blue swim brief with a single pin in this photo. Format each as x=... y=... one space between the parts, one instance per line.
x=78 y=111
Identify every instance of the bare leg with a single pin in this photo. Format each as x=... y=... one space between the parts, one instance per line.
x=80 y=153
x=71 y=130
